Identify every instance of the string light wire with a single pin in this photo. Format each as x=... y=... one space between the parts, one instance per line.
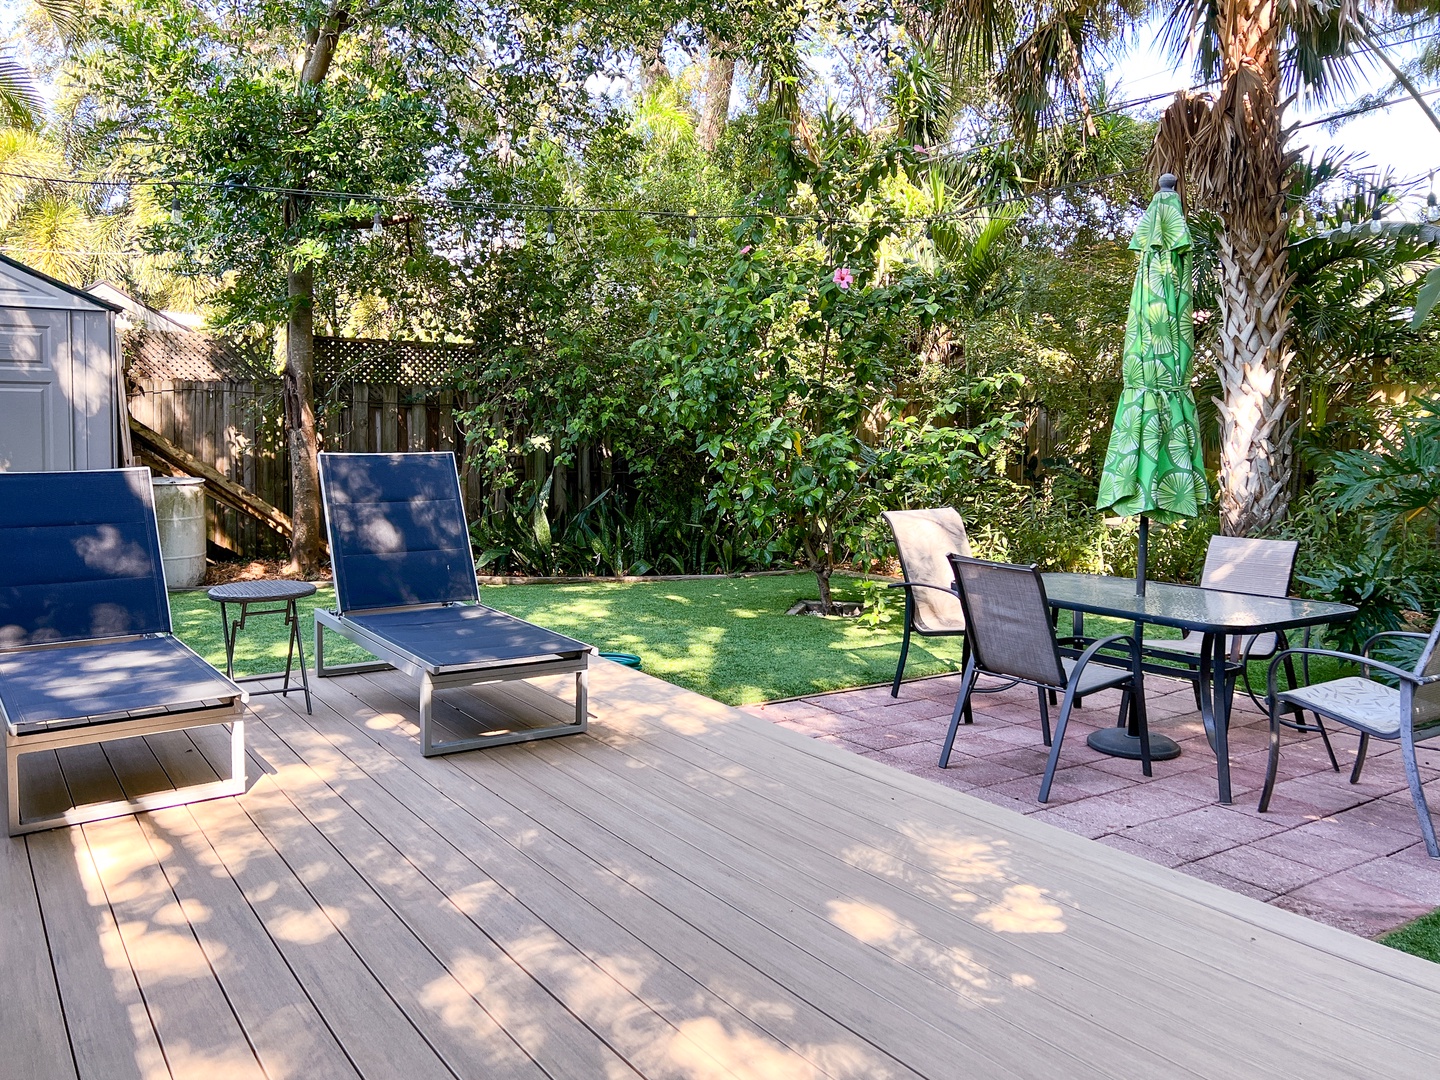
x=440 y=202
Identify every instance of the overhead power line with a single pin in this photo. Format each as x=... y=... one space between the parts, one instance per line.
x=440 y=202
x=511 y=209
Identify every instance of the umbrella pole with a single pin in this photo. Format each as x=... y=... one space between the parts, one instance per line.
x=1141 y=554
x=1124 y=741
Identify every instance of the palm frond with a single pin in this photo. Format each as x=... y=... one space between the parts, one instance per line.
x=67 y=17
x=1180 y=124
x=20 y=103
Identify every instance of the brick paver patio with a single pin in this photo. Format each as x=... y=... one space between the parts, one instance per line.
x=1346 y=855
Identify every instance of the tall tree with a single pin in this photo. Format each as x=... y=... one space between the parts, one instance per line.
x=306 y=543
x=1231 y=151
x=245 y=119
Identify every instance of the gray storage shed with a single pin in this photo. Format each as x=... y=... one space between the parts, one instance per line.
x=61 y=402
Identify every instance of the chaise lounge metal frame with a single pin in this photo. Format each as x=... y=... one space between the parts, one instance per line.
x=417 y=608
x=82 y=599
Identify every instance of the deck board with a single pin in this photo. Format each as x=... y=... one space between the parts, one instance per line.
x=864 y=820
x=583 y=896
x=34 y=1039
x=110 y=1029
x=198 y=1031
x=279 y=1019
x=686 y=891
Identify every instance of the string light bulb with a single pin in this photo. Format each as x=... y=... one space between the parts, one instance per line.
x=694 y=229
x=1432 y=210
x=377 y=227
x=550 y=227
x=176 y=217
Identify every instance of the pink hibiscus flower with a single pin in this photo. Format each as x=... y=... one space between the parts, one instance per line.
x=843 y=277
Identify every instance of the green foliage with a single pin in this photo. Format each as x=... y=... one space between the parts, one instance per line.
x=1426 y=297
x=1396 y=489
x=1057 y=526
x=1369 y=528
x=212 y=102
x=1344 y=558
x=790 y=364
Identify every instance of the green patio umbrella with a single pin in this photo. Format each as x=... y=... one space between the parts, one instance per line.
x=1154 y=467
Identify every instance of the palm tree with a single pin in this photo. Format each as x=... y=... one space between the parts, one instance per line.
x=1229 y=149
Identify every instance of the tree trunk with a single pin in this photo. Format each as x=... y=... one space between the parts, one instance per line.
x=822 y=581
x=1255 y=440
x=307 y=538
x=306 y=543
x=719 y=78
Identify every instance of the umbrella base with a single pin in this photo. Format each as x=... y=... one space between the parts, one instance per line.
x=1117 y=742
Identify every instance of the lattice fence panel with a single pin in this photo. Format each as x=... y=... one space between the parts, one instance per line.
x=373 y=360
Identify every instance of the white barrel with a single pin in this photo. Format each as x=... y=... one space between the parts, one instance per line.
x=180 y=511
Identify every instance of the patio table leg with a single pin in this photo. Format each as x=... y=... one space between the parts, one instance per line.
x=1215 y=707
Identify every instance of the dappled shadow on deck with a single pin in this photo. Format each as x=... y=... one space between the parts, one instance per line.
x=1347 y=855
x=683 y=892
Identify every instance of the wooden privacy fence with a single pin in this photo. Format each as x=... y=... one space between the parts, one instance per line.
x=371 y=396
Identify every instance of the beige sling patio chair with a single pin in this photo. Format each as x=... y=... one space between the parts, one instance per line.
x=1255 y=567
x=1373 y=709
x=923 y=540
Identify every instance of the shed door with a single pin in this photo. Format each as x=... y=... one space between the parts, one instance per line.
x=35 y=411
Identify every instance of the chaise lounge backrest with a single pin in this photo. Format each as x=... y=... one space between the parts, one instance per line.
x=398 y=536
x=81 y=557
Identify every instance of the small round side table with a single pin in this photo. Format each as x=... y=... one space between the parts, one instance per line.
x=252 y=596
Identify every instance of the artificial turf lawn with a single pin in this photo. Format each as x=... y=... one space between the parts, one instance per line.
x=1421 y=937
x=727 y=638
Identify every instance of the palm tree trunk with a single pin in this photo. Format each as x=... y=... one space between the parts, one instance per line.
x=1237 y=164
x=1255 y=448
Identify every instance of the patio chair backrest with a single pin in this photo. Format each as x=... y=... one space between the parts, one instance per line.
x=923 y=539
x=398 y=536
x=1007 y=620
x=79 y=557
x=1243 y=565
x=1426 y=705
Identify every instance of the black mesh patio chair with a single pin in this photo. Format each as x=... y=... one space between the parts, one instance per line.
x=1007 y=619
x=405 y=591
x=1375 y=710
x=923 y=540
x=87 y=653
x=1257 y=568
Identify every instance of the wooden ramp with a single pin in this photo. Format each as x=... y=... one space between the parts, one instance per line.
x=685 y=892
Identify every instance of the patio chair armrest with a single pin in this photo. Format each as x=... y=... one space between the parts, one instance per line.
x=921 y=585
x=1096 y=646
x=1365 y=649
x=1364 y=661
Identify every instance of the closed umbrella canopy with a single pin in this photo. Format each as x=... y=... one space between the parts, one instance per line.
x=1154 y=466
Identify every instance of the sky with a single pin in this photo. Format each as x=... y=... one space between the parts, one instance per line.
x=1401 y=137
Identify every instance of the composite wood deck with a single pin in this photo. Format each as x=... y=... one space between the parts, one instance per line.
x=686 y=891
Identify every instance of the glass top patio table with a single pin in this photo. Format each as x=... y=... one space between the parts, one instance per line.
x=1213 y=613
